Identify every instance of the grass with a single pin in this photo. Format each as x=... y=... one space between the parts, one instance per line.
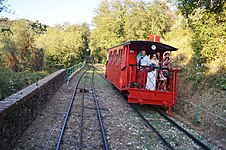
x=201 y=79
x=11 y=82
x=208 y=74
x=151 y=138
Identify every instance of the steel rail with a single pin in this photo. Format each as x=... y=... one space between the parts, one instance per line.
x=103 y=135
x=102 y=76
x=205 y=147
x=151 y=127
x=197 y=141
x=81 y=118
x=68 y=111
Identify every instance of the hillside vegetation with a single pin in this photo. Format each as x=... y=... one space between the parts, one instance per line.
x=31 y=50
x=196 y=27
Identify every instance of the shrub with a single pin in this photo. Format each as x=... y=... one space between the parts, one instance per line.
x=11 y=82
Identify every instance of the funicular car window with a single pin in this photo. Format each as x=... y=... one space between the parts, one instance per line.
x=114 y=57
x=124 y=58
x=110 y=58
x=118 y=57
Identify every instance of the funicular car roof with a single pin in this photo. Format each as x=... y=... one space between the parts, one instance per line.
x=159 y=46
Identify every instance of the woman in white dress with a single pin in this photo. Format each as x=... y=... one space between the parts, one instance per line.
x=152 y=75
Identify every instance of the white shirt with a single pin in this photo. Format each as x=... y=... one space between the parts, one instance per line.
x=144 y=61
x=153 y=61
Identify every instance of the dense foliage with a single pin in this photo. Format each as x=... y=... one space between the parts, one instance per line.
x=30 y=49
x=196 y=27
x=64 y=45
x=206 y=19
x=13 y=82
x=118 y=21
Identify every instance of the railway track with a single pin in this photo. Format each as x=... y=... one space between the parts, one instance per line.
x=199 y=144
x=197 y=141
x=166 y=140
x=82 y=126
x=68 y=112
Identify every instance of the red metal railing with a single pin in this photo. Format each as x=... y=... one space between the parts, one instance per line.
x=152 y=78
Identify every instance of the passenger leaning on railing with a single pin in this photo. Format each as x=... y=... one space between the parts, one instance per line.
x=166 y=65
x=152 y=74
x=142 y=59
x=164 y=72
x=166 y=62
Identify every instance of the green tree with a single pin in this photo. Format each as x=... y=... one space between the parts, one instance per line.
x=39 y=28
x=206 y=20
x=104 y=35
x=17 y=44
x=117 y=21
x=188 y=6
x=64 y=45
x=3 y=5
x=8 y=49
x=23 y=38
x=136 y=21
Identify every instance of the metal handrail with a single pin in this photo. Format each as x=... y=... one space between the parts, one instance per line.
x=71 y=70
x=150 y=67
x=137 y=68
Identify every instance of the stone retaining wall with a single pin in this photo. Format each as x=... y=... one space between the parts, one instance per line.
x=19 y=110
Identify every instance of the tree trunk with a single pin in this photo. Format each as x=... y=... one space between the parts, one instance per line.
x=13 y=62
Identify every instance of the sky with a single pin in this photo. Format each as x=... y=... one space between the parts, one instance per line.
x=52 y=12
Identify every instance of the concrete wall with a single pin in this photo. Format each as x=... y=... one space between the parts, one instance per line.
x=19 y=110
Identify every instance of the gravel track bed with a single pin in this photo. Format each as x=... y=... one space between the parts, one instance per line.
x=176 y=137
x=44 y=131
x=124 y=130
x=91 y=137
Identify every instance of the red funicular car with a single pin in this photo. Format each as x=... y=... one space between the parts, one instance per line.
x=130 y=77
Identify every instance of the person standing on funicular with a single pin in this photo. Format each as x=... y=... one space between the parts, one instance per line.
x=152 y=74
x=165 y=72
x=142 y=61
